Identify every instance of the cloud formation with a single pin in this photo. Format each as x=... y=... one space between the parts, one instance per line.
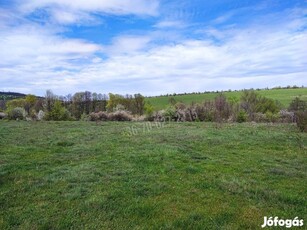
x=35 y=56
x=67 y=11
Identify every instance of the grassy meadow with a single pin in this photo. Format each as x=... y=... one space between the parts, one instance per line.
x=284 y=96
x=83 y=175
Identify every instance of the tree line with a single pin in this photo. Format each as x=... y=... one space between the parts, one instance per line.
x=71 y=107
x=251 y=106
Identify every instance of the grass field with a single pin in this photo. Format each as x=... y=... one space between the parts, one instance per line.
x=285 y=96
x=81 y=175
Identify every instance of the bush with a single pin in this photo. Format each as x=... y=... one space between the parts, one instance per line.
x=32 y=115
x=199 y=111
x=102 y=116
x=40 y=115
x=170 y=113
x=286 y=116
x=298 y=105
x=58 y=113
x=180 y=105
x=120 y=116
x=301 y=120
x=17 y=114
x=258 y=117
x=208 y=111
x=84 y=117
x=149 y=110
x=158 y=116
x=93 y=117
x=222 y=108
x=252 y=102
x=140 y=118
x=2 y=116
x=271 y=117
x=242 y=116
x=184 y=115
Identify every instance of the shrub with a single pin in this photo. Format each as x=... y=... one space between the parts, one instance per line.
x=120 y=116
x=17 y=113
x=222 y=108
x=208 y=111
x=140 y=118
x=242 y=116
x=258 y=117
x=170 y=113
x=58 y=113
x=298 y=105
x=184 y=115
x=286 y=116
x=2 y=116
x=102 y=116
x=84 y=117
x=158 y=116
x=271 y=117
x=180 y=106
x=252 y=102
x=301 y=120
x=199 y=111
x=149 y=112
x=93 y=117
x=40 y=115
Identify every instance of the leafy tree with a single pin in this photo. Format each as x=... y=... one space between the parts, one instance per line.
x=114 y=100
x=50 y=99
x=139 y=104
x=58 y=112
x=298 y=105
x=30 y=101
x=87 y=102
x=15 y=103
x=78 y=105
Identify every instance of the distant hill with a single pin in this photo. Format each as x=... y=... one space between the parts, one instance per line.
x=11 y=95
x=284 y=95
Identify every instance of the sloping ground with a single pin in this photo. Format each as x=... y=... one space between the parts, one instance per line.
x=10 y=95
x=285 y=96
x=80 y=175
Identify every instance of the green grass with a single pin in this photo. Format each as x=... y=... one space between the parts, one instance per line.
x=80 y=175
x=285 y=96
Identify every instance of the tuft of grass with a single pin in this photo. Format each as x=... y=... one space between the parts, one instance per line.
x=62 y=175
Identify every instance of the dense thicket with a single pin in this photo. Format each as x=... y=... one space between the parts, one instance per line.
x=114 y=107
x=74 y=107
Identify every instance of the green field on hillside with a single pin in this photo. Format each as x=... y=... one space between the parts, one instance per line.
x=285 y=96
x=82 y=175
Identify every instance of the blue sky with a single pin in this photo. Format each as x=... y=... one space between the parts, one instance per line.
x=151 y=46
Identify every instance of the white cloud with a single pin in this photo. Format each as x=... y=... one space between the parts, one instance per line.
x=67 y=11
x=66 y=16
x=127 y=44
x=34 y=44
x=170 y=24
x=35 y=58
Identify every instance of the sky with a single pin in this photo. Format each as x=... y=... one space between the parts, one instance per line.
x=151 y=47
